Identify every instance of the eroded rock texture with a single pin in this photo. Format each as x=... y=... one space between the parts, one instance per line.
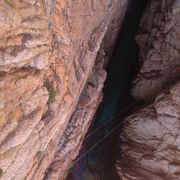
x=149 y=143
x=159 y=48
x=49 y=86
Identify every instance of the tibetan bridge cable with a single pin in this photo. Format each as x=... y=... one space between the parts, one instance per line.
x=122 y=110
x=118 y=124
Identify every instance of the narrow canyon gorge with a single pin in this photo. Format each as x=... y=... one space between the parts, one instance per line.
x=89 y=89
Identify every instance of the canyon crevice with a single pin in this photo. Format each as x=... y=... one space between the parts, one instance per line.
x=53 y=60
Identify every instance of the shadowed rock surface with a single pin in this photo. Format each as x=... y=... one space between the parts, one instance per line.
x=159 y=55
x=149 y=141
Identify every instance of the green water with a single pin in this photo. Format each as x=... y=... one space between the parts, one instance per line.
x=124 y=62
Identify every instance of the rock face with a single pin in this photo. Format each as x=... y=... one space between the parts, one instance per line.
x=159 y=48
x=50 y=84
x=150 y=140
x=149 y=143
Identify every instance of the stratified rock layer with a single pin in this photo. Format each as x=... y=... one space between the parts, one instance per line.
x=49 y=86
x=150 y=140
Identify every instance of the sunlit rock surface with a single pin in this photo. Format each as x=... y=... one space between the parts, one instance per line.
x=149 y=144
x=49 y=85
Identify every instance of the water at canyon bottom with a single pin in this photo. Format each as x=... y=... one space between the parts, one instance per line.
x=98 y=164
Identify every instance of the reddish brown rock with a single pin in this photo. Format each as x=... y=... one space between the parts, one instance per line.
x=47 y=54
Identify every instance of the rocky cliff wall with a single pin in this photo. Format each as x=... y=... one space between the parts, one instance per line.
x=49 y=85
x=159 y=48
x=149 y=141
